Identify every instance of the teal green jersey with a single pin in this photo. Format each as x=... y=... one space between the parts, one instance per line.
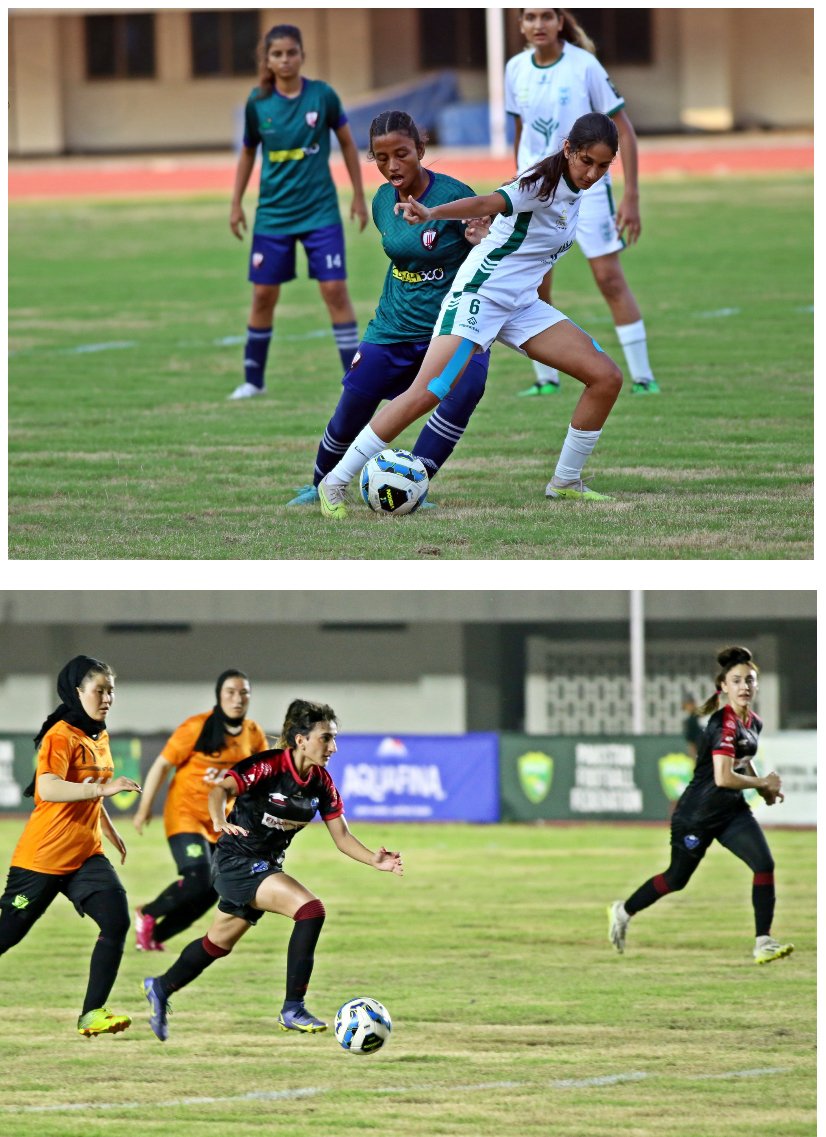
x=297 y=193
x=424 y=260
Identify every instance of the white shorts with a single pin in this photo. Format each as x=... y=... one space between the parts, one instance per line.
x=482 y=320
x=596 y=230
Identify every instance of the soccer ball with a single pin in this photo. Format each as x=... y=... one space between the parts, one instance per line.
x=395 y=481
x=363 y=1026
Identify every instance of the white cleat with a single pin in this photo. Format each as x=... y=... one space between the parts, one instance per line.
x=618 y=921
x=247 y=391
x=768 y=949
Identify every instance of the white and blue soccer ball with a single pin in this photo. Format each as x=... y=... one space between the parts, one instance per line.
x=394 y=482
x=363 y=1026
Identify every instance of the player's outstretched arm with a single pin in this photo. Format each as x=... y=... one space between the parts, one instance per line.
x=154 y=780
x=464 y=208
x=217 y=806
x=350 y=845
x=51 y=787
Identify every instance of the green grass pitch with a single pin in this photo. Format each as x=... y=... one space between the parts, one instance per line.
x=134 y=452
x=491 y=955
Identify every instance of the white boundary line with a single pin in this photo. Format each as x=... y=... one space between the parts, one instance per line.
x=312 y=1091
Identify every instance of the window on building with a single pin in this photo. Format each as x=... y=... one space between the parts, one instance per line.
x=224 y=43
x=120 y=47
x=452 y=37
x=621 y=35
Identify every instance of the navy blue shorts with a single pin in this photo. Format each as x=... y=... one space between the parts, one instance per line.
x=272 y=258
x=385 y=370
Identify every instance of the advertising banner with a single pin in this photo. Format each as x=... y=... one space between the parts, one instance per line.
x=793 y=755
x=418 y=777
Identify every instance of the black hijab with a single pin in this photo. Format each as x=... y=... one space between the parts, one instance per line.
x=71 y=709
x=212 y=739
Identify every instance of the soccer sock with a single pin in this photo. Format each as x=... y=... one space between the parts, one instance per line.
x=179 y=920
x=762 y=897
x=366 y=446
x=445 y=427
x=195 y=958
x=255 y=356
x=347 y=342
x=646 y=894
x=110 y=912
x=350 y=416
x=579 y=445
x=635 y=347
x=545 y=374
x=191 y=885
x=166 y=902
x=301 y=950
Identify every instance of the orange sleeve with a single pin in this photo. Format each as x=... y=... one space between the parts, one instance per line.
x=55 y=755
x=179 y=746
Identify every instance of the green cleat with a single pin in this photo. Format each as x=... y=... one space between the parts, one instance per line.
x=548 y=388
x=574 y=490
x=333 y=500
x=307 y=495
x=769 y=949
x=649 y=387
x=101 y=1021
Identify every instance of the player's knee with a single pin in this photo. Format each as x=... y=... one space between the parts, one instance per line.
x=312 y=910
x=609 y=377
x=611 y=284
x=196 y=881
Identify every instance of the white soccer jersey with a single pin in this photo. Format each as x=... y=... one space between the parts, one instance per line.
x=550 y=99
x=509 y=264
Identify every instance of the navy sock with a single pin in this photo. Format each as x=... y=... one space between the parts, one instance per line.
x=446 y=425
x=255 y=355
x=347 y=342
x=349 y=418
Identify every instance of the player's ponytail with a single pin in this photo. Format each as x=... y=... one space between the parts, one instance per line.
x=301 y=717
x=726 y=659
x=396 y=122
x=587 y=131
x=266 y=79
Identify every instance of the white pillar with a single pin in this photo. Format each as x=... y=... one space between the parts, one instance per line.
x=495 y=26
x=637 y=662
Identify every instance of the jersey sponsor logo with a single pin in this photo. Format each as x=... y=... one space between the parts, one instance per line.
x=281 y=823
x=691 y=842
x=311 y=118
x=555 y=256
x=259 y=866
x=429 y=276
x=562 y=221
x=194 y=850
x=20 y=901
x=429 y=238
x=275 y=798
x=257 y=260
x=293 y=155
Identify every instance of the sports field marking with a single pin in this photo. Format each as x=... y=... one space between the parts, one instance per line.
x=312 y=1091
x=224 y=341
x=720 y=312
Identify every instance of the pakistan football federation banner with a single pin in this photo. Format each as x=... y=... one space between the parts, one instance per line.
x=598 y=778
x=418 y=777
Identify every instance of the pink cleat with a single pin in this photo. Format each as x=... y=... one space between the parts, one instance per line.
x=144 y=927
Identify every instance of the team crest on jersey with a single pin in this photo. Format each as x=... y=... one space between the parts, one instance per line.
x=311 y=118
x=257 y=260
x=429 y=238
x=564 y=96
x=562 y=221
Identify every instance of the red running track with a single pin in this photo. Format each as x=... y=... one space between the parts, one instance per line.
x=173 y=177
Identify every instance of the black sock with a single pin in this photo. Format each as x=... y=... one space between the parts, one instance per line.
x=762 y=897
x=195 y=958
x=187 y=914
x=646 y=894
x=166 y=902
x=300 y=955
x=110 y=912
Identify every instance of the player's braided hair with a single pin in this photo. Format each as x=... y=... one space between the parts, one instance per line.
x=571 y=31
x=301 y=718
x=395 y=122
x=727 y=658
x=266 y=79
x=587 y=131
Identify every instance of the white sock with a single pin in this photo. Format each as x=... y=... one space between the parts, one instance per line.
x=545 y=374
x=635 y=347
x=366 y=446
x=623 y=915
x=579 y=445
x=760 y=940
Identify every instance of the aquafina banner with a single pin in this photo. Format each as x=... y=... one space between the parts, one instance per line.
x=415 y=777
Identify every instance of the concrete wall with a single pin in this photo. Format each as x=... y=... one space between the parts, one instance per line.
x=773 y=66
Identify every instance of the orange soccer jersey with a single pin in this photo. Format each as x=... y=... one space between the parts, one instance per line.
x=196 y=774
x=61 y=835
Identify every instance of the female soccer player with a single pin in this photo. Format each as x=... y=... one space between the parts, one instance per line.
x=200 y=751
x=60 y=849
x=276 y=794
x=420 y=274
x=712 y=806
x=546 y=90
x=291 y=117
x=494 y=297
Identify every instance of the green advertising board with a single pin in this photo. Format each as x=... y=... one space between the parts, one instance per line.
x=554 y=778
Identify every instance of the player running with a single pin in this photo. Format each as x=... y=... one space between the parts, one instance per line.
x=493 y=296
x=712 y=806
x=291 y=118
x=60 y=849
x=423 y=264
x=546 y=90
x=276 y=794
x=200 y=752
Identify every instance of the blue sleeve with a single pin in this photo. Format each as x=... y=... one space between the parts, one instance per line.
x=252 y=135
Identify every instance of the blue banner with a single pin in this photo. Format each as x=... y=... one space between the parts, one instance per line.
x=418 y=777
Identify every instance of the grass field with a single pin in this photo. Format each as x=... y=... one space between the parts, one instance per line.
x=132 y=451
x=509 y=1005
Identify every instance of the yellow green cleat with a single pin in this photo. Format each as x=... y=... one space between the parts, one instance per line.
x=577 y=490
x=101 y=1021
x=769 y=949
x=333 y=500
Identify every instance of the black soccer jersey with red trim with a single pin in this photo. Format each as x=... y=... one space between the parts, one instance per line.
x=704 y=802
x=274 y=803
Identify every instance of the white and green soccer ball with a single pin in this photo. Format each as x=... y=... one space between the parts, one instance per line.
x=394 y=482
x=363 y=1026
